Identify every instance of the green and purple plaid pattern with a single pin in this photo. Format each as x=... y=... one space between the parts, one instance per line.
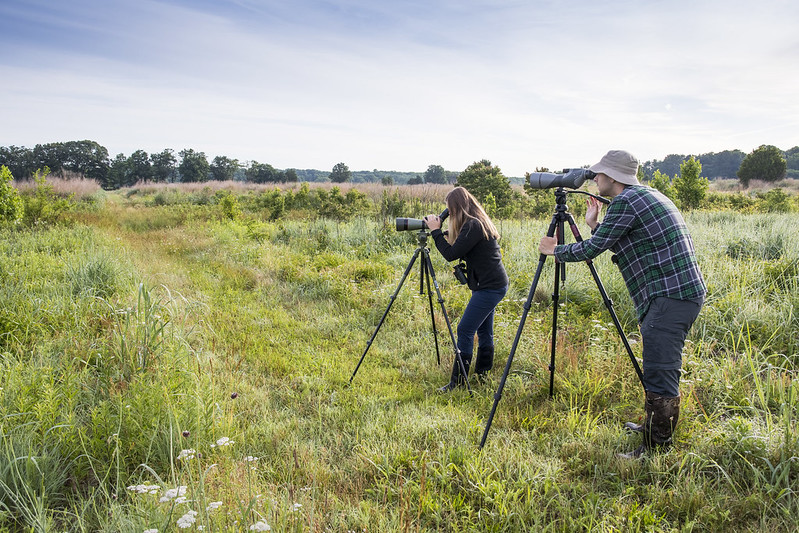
x=655 y=252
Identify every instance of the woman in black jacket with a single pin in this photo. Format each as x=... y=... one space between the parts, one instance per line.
x=472 y=237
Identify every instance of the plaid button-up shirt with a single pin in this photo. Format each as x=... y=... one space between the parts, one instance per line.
x=650 y=239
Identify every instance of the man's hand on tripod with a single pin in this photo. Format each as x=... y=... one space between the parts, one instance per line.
x=547 y=245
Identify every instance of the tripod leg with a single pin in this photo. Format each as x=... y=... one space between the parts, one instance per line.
x=458 y=358
x=527 y=304
x=559 y=267
x=609 y=305
x=390 y=303
x=426 y=276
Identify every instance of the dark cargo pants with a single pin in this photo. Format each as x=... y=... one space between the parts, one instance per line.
x=663 y=332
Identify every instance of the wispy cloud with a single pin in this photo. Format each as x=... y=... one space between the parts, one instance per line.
x=401 y=84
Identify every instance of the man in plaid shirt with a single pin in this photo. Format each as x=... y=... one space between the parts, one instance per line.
x=656 y=257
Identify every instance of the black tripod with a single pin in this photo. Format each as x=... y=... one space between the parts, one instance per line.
x=561 y=216
x=426 y=273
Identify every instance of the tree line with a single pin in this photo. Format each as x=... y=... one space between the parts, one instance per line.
x=727 y=164
x=89 y=159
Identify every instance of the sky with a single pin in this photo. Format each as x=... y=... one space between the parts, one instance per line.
x=402 y=84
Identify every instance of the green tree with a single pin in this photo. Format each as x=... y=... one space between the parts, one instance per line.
x=663 y=183
x=481 y=178
x=766 y=164
x=689 y=186
x=435 y=174
x=87 y=158
x=223 y=168
x=340 y=174
x=118 y=173
x=11 y=206
x=139 y=167
x=792 y=160
x=193 y=166
x=164 y=166
x=19 y=161
x=290 y=176
x=262 y=173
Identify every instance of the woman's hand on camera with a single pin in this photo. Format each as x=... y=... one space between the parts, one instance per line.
x=432 y=221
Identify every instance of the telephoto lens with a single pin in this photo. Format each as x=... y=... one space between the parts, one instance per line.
x=571 y=178
x=411 y=224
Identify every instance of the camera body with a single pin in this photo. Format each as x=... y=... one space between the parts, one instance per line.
x=410 y=224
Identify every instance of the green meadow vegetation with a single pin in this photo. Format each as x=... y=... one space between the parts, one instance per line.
x=178 y=358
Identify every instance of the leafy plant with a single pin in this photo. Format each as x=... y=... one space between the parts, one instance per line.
x=11 y=206
x=44 y=206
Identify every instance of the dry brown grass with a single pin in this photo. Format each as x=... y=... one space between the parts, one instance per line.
x=427 y=192
x=787 y=184
x=79 y=187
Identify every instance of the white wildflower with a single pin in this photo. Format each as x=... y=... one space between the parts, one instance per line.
x=296 y=507
x=213 y=506
x=153 y=530
x=144 y=489
x=189 y=453
x=260 y=525
x=173 y=493
x=250 y=459
x=224 y=441
x=187 y=520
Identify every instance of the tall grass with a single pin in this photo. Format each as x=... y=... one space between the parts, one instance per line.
x=161 y=369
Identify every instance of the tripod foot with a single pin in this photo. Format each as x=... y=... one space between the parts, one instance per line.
x=449 y=387
x=457 y=378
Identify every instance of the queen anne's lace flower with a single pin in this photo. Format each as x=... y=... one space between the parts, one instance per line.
x=144 y=489
x=173 y=493
x=224 y=441
x=187 y=454
x=187 y=520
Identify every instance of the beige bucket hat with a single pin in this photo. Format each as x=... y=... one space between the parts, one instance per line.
x=620 y=165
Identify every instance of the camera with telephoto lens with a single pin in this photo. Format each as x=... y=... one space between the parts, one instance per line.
x=410 y=224
x=571 y=178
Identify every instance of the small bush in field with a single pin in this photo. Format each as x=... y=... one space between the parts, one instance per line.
x=774 y=201
x=44 y=205
x=11 y=207
x=229 y=205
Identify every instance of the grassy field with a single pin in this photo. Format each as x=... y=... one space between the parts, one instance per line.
x=176 y=359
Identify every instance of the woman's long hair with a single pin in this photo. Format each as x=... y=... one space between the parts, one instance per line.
x=462 y=207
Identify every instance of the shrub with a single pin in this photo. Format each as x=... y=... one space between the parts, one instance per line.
x=689 y=186
x=11 y=207
x=229 y=205
x=773 y=201
x=44 y=205
x=662 y=182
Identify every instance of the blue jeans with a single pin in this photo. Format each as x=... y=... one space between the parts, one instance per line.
x=478 y=317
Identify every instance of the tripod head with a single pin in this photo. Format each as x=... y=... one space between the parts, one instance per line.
x=421 y=237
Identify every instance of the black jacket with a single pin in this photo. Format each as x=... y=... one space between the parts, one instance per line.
x=484 y=268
